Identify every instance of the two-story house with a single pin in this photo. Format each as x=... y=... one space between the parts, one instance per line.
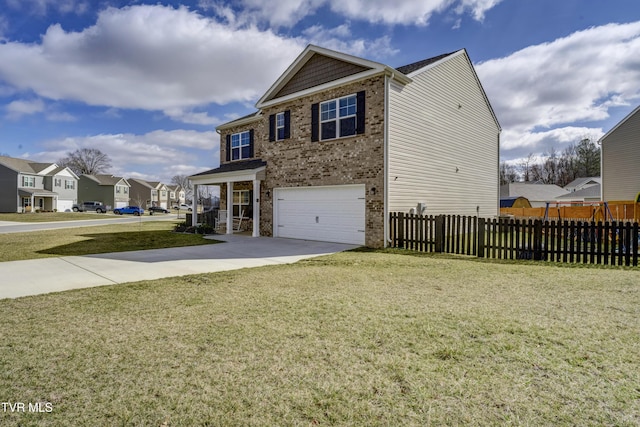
x=112 y=191
x=339 y=142
x=177 y=195
x=27 y=186
x=149 y=193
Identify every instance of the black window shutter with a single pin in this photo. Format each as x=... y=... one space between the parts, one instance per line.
x=315 y=122
x=272 y=127
x=251 y=143
x=360 y=113
x=228 y=148
x=287 y=124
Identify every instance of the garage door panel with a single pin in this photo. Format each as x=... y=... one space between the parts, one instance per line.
x=333 y=213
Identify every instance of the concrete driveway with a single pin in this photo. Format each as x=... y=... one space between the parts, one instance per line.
x=40 y=276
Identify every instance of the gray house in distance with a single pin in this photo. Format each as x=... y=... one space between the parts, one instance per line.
x=112 y=191
x=27 y=186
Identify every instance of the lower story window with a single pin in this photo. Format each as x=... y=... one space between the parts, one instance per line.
x=26 y=201
x=242 y=203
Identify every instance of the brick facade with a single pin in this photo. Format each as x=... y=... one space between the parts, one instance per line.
x=299 y=162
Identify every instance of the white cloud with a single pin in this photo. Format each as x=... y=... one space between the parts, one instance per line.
x=40 y=7
x=155 y=155
x=19 y=108
x=149 y=57
x=287 y=13
x=339 y=39
x=575 y=79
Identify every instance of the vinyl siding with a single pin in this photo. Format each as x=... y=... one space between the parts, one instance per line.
x=443 y=143
x=620 y=160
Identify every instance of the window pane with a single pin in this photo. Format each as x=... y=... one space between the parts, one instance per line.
x=246 y=152
x=328 y=130
x=348 y=106
x=348 y=126
x=280 y=133
x=235 y=140
x=280 y=119
x=235 y=153
x=328 y=110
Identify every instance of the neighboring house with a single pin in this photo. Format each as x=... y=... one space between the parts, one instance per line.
x=141 y=193
x=112 y=191
x=339 y=142
x=176 y=195
x=580 y=183
x=590 y=193
x=537 y=194
x=32 y=186
x=160 y=197
x=620 y=160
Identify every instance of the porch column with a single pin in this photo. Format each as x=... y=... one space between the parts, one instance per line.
x=33 y=203
x=256 y=208
x=229 y=207
x=194 y=205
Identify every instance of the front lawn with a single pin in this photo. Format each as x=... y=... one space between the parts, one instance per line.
x=350 y=339
x=95 y=240
x=50 y=216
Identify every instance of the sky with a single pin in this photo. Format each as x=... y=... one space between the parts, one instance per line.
x=147 y=82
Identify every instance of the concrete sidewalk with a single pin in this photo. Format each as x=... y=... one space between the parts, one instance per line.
x=40 y=276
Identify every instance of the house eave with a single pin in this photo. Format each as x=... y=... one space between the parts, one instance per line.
x=388 y=71
x=240 y=122
x=231 y=176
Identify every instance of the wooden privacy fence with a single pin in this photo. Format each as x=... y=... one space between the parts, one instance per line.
x=607 y=243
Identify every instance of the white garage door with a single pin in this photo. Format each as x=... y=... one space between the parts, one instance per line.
x=120 y=205
x=329 y=214
x=64 y=205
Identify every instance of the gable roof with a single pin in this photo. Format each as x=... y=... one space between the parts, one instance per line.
x=591 y=192
x=343 y=69
x=620 y=123
x=531 y=191
x=107 y=179
x=410 y=68
x=580 y=183
x=142 y=182
x=22 y=165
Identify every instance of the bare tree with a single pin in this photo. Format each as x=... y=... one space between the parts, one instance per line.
x=87 y=161
x=525 y=167
x=508 y=173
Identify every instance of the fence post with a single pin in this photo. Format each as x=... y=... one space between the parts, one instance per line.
x=537 y=240
x=481 y=237
x=440 y=234
x=400 y=230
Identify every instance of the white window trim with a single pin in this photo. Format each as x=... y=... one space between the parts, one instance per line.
x=240 y=146
x=337 y=117
x=29 y=181
x=240 y=205
x=280 y=124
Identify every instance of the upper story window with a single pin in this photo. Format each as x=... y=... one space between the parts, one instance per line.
x=69 y=184
x=172 y=195
x=240 y=145
x=280 y=126
x=338 y=118
x=57 y=182
x=29 y=181
x=163 y=193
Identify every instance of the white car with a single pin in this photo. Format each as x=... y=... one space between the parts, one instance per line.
x=183 y=206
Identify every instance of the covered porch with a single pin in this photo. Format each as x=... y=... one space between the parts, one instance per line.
x=32 y=200
x=252 y=171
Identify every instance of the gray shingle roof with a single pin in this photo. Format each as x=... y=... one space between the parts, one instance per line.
x=235 y=166
x=410 y=68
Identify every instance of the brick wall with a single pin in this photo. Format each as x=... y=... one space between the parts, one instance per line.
x=298 y=162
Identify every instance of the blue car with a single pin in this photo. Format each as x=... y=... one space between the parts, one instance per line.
x=134 y=210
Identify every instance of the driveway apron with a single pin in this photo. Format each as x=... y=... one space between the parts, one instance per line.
x=40 y=276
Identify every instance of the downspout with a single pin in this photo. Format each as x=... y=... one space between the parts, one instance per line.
x=385 y=210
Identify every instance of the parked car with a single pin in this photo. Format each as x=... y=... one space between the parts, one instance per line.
x=154 y=209
x=131 y=210
x=183 y=206
x=89 y=206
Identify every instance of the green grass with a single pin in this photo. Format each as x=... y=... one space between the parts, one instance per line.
x=95 y=240
x=354 y=338
x=51 y=216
